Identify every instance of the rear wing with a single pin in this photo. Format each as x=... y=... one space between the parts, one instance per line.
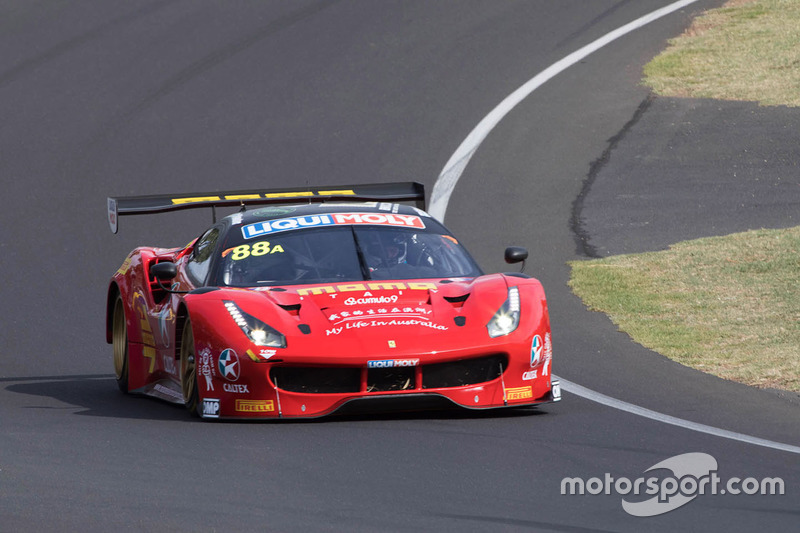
x=410 y=191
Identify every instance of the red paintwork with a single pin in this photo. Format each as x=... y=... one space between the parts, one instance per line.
x=154 y=366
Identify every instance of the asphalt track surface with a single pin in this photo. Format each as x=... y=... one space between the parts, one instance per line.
x=156 y=97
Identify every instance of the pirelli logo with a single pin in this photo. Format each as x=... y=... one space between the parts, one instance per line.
x=376 y=286
x=519 y=393
x=255 y=406
x=258 y=196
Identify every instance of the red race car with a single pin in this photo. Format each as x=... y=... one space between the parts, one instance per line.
x=309 y=301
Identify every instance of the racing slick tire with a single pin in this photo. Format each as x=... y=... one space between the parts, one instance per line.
x=119 y=342
x=189 y=370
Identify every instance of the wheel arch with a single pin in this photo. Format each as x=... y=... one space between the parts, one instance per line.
x=111 y=299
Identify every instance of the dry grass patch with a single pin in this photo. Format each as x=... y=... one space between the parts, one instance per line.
x=745 y=50
x=725 y=305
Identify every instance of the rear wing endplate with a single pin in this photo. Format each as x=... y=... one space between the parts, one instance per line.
x=410 y=191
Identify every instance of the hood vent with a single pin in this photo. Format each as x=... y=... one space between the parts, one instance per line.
x=457 y=301
x=293 y=309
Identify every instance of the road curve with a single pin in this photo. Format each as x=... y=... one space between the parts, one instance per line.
x=170 y=95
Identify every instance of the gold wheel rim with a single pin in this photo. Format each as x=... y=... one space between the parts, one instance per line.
x=188 y=379
x=119 y=339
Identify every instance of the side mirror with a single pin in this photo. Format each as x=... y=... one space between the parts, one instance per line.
x=164 y=271
x=516 y=254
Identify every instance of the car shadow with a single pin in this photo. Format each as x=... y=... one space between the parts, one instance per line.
x=94 y=395
x=98 y=395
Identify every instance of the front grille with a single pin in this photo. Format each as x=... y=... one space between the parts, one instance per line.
x=388 y=379
x=463 y=372
x=338 y=380
x=317 y=380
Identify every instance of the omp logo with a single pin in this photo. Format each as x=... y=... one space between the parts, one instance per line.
x=284 y=224
x=691 y=475
x=210 y=408
x=519 y=393
x=255 y=406
x=392 y=363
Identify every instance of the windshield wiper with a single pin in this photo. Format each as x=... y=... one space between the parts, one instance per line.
x=361 y=260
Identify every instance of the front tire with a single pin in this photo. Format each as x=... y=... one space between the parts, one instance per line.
x=119 y=342
x=189 y=370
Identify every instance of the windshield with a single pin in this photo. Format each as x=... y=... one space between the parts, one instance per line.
x=340 y=254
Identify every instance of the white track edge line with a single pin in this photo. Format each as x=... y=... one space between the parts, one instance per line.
x=448 y=178
x=608 y=401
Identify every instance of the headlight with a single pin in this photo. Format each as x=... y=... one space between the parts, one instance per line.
x=506 y=319
x=260 y=333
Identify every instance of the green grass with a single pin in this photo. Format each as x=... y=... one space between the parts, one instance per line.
x=745 y=50
x=725 y=305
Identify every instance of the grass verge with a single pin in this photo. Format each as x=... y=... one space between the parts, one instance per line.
x=745 y=50
x=725 y=305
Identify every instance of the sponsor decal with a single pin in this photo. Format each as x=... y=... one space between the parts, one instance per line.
x=383 y=323
x=556 y=390
x=264 y=354
x=112 y=214
x=125 y=266
x=536 y=350
x=528 y=376
x=229 y=365
x=268 y=227
x=210 y=408
x=548 y=355
x=371 y=286
x=166 y=391
x=255 y=406
x=393 y=363
x=392 y=344
x=235 y=388
x=206 y=368
x=369 y=299
x=385 y=312
x=519 y=393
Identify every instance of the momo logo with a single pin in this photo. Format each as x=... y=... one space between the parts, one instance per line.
x=674 y=483
x=210 y=408
x=229 y=365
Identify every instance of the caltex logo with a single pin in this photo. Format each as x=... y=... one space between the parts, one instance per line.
x=229 y=365
x=536 y=349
